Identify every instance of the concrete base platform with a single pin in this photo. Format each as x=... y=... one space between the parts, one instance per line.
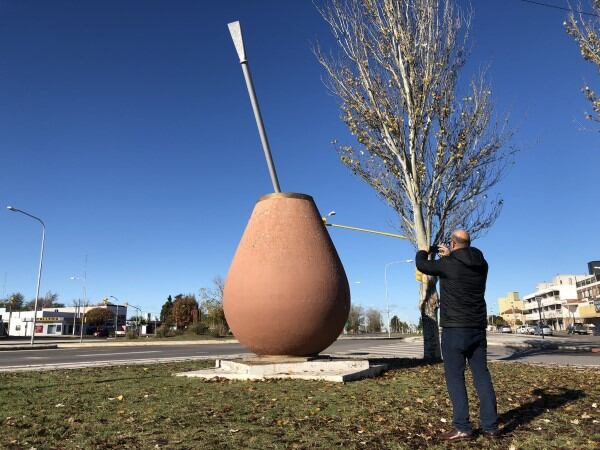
x=280 y=367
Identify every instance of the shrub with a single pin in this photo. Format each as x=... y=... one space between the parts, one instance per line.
x=198 y=328
x=132 y=334
x=219 y=331
x=165 y=331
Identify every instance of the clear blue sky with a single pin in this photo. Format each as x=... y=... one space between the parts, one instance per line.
x=126 y=126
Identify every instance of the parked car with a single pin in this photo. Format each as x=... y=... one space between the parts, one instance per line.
x=523 y=329
x=505 y=329
x=545 y=329
x=579 y=328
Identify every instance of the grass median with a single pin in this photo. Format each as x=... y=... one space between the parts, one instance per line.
x=145 y=407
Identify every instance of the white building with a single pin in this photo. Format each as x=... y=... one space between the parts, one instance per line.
x=550 y=302
x=587 y=308
x=54 y=321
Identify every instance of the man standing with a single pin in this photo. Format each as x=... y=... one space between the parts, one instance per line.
x=462 y=270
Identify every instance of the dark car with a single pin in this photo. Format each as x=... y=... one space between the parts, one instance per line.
x=578 y=328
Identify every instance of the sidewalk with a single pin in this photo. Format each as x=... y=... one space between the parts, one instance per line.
x=578 y=344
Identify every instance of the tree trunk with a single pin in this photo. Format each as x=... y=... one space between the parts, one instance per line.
x=429 y=305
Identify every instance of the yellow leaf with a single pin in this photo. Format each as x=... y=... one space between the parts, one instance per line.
x=120 y=398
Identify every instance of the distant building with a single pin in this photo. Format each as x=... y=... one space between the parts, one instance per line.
x=587 y=308
x=54 y=321
x=511 y=309
x=549 y=302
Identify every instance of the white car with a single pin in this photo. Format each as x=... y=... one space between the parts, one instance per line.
x=523 y=329
x=544 y=329
x=506 y=329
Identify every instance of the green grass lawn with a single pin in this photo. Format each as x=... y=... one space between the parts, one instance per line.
x=141 y=407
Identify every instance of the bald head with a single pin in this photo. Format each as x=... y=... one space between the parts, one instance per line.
x=461 y=238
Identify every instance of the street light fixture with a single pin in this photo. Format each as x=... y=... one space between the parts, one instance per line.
x=137 y=321
x=386 y=291
x=39 y=277
x=364 y=230
x=81 y=315
x=117 y=315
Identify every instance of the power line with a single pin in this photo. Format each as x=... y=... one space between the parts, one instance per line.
x=562 y=8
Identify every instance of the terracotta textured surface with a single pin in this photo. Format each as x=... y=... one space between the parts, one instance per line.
x=286 y=292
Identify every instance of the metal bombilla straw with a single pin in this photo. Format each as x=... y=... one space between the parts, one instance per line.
x=236 y=35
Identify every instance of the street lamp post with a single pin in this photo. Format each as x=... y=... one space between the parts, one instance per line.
x=39 y=277
x=117 y=315
x=82 y=315
x=541 y=325
x=137 y=320
x=386 y=291
x=512 y=304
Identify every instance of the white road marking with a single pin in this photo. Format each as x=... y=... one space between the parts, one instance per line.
x=36 y=357
x=120 y=353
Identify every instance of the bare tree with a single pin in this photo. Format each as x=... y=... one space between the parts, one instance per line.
x=433 y=155
x=356 y=319
x=587 y=34
x=211 y=305
x=50 y=300
x=373 y=321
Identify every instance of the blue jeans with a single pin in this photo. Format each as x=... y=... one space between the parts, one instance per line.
x=458 y=346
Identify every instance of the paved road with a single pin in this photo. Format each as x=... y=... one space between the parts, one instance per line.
x=356 y=348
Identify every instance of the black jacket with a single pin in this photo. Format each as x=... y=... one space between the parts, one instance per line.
x=462 y=286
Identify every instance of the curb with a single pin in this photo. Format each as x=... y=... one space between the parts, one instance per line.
x=545 y=346
x=28 y=347
x=144 y=343
x=112 y=344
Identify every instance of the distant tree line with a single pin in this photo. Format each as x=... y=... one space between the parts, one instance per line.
x=370 y=321
x=16 y=302
x=184 y=313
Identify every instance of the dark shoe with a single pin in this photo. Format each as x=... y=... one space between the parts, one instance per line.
x=455 y=435
x=491 y=434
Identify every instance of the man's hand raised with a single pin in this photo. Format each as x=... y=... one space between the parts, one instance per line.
x=443 y=250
